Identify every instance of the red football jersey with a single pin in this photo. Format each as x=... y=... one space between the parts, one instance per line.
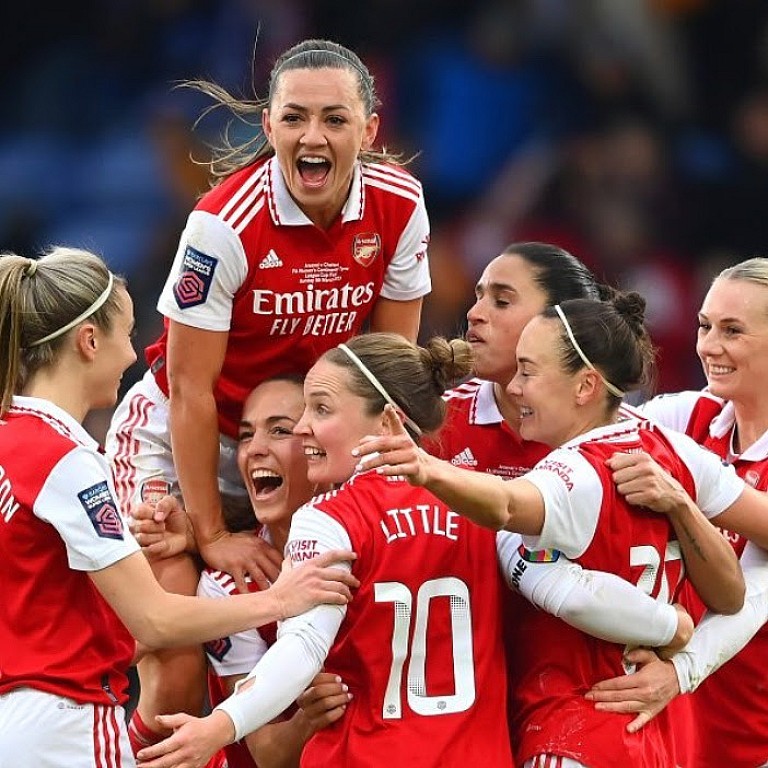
x=420 y=645
x=730 y=708
x=250 y=262
x=58 y=520
x=475 y=436
x=233 y=655
x=592 y=524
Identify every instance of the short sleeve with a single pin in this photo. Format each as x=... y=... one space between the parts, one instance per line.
x=717 y=484
x=573 y=496
x=236 y=654
x=407 y=276
x=209 y=267
x=78 y=500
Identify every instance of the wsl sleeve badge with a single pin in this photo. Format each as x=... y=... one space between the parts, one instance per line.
x=101 y=509
x=194 y=281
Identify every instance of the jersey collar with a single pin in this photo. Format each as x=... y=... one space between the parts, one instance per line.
x=56 y=417
x=284 y=210
x=484 y=408
x=722 y=425
x=627 y=426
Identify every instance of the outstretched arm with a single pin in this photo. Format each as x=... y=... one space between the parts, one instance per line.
x=516 y=505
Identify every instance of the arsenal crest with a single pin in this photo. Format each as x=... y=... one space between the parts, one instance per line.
x=365 y=248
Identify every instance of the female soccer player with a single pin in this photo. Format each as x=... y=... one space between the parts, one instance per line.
x=76 y=588
x=574 y=363
x=730 y=418
x=430 y=594
x=310 y=235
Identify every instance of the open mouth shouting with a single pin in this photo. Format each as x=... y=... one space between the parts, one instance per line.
x=266 y=483
x=313 y=170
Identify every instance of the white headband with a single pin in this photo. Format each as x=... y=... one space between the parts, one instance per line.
x=82 y=316
x=365 y=75
x=610 y=387
x=378 y=386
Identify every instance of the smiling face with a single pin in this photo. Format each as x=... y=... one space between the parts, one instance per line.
x=269 y=456
x=317 y=126
x=732 y=340
x=334 y=420
x=115 y=353
x=507 y=297
x=547 y=394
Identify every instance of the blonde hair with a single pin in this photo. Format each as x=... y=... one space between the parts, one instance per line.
x=39 y=297
x=753 y=270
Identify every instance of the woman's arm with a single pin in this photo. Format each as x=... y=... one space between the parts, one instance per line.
x=716 y=640
x=710 y=561
x=161 y=619
x=747 y=516
x=281 y=675
x=601 y=604
x=516 y=505
x=403 y=317
x=195 y=359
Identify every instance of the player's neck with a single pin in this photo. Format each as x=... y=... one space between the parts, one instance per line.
x=751 y=425
x=510 y=412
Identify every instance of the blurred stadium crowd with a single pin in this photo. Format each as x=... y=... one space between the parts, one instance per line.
x=631 y=132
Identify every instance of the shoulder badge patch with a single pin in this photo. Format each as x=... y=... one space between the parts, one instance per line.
x=101 y=509
x=194 y=280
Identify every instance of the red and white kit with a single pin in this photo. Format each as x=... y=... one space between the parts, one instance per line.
x=234 y=655
x=251 y=263
x=730 y=708
x=419 y=646
x=591 y=523
x=64 y=653
x=475 y=436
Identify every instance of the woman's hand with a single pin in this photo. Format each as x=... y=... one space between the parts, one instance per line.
x=194 y=741
x=162 y=529
x=646 y=691
x=643 y=483
x=394 y=453
x=325 y=701
x=316 y=581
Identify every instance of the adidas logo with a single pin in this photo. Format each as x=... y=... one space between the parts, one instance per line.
x=464 y=458
x=270 y=261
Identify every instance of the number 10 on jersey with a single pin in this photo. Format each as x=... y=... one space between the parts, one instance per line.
x=409 y=647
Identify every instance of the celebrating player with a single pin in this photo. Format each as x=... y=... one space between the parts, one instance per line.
x=729 y=708
x=574 y=363
x=76 y=588
x=430 y=590
x=310 y=235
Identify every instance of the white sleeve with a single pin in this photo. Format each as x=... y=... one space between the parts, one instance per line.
x=209 y=267
x=303 y=642
x=717 y=485
x=671 y=410
x=79 y=501
x=573 y=494
x=407 y=276
x=601 y=604
x=718 y=638
x=237 y=653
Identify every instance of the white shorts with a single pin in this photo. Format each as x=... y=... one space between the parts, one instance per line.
x=48 y=731
x=138 y=445
x=553 y=761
